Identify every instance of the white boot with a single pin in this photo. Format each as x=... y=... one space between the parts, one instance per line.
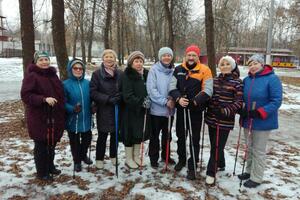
x=129 y=160
x=136 y=155
x=210 y=180
x=99 y=164
x=114 y=161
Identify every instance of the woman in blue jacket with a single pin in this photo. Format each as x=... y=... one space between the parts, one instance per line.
x=78 y=107
x=262 y=97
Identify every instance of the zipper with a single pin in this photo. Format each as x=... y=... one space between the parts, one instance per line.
x=82 y=100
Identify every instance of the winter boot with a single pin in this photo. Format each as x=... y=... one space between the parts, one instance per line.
x=136 y=155
x=191 y=175
x=129 y=162
x=209 y=180
x=244 y=176
x=178 y=167
x=251 y=184
x=99 y=164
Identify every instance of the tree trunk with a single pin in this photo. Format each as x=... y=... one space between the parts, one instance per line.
x=119 y=39
x=82 y=38
x=209 y=31
x=107 y=24
x=58 y=34
x=169 y=14
x=91 y=35
x=27 y=32
x=75 y=41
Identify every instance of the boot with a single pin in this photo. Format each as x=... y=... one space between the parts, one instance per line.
x=191 y=175
x=136 y=155
x=210 y=180
x=99 y=164
x=244 y=176
x=114 y=161
x=129 y=162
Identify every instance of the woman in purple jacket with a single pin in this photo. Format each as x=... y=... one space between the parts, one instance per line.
x=43 y=96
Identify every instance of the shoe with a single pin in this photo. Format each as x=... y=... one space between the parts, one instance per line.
x=244 y=176
x=45 y=178
x=171 y=161
x=77 y=167
x=136 y=155
x=251 y=184
x=210 y=180
x=129 y=162
x=99 y=164
x=191 y=175
x=154 y=165
x=55 y=171
x=114 y=161
x=221 y=169
x=178 y=167
x=87 y=161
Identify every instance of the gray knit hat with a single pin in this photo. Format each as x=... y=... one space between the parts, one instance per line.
x=256 y=57
x=40 y=54
x=106 y=51
x=230 y=60
x=164 y=50
x=134 y=55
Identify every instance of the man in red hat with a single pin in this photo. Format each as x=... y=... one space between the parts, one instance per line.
x=191 y=87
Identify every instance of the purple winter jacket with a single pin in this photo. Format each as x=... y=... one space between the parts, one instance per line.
x=37 y=85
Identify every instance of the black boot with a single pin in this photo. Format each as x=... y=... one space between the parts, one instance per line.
x=154 y=165
x=178 y=167
x=77 y=167
x=45 y=178
x=244 y=176
x=54 y=171
x=191 y=175
x=251 y=184
x=87 y=161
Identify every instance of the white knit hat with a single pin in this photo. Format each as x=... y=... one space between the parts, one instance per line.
x=230 y=60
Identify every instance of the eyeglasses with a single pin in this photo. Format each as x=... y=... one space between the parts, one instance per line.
x=77 y=68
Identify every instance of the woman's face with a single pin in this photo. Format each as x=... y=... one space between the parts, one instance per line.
x=166 y=59
x=138 y=64
x=109 y=60
x=225 y=67
x=254 y=67
x=43 y=62
x=77 y=70
x=191 y=57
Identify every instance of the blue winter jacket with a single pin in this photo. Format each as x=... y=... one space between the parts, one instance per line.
x=158 y=81
x=265 y=89
x=77 y=91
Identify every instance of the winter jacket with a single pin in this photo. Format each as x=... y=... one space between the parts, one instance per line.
x=265 y=89
x=195 y=84
x=37 y=85
x=227 y=99
x=134 y=91
x=77 y=91
x=102 y=86
x=158 y=81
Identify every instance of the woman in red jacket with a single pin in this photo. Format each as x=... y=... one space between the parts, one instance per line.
x=42 y=94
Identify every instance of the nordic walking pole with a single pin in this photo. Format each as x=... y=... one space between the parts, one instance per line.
x=202 y=142
x=76 y=132
x=185 y=133
x=52 y=139
x=49 y=129
x=248 y=137
x=217 y=151
x=191 y=140
x=90 y=146
x=116 y=132
x=142 y=143
x=168 y=141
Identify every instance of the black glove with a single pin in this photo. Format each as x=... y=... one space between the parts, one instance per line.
x=147 y=102
x=93 y=108
x=243 y=113
x=115 y=99
x=77 y=108
x=254 y=114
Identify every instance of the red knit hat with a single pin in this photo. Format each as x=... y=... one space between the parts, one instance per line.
x=193 y=48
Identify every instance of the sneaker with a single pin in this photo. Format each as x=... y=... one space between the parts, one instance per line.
x=191 y=175
x=87 y=161
x=99 y=164
x=244 y=176
x=251 y=184
x=154 y=165
x=55 y=171
x=210 y=180
x=178 y=167
x=171 y=161
x=77 y=167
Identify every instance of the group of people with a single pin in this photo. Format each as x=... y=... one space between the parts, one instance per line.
x=136 y=105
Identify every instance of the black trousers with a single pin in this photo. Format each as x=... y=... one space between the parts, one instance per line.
x=159 y=124
x=223 y=135
x=101 y=145
x=196 y=122
x=79 y=143
x=43 y=158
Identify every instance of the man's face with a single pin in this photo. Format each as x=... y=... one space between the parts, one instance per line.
x=191 y=57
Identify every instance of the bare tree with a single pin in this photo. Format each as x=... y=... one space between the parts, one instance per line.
x=91 y=33
x=209 y=31
x=27 y=32
x=58 y=33
x=82 y=33
x=107 y=23
x=169 y=8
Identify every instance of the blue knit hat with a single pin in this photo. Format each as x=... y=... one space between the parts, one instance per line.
x=40 y=54
x=164 y=50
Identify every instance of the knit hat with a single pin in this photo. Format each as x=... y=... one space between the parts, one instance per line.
x=230 y=60
x=193 y=48
x=40 y=54
x=73 y=62
x=134 y=55
x=164 y=50
x=107 y=51
x=256 y=57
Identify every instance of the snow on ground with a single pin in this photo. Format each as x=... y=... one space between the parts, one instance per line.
x=281 y=181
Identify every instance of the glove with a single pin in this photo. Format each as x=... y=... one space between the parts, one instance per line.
x=77 y=108
x=93 y=108
x=115 y=99
x=243 y=113
x=254 y=114
x=147 y=102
